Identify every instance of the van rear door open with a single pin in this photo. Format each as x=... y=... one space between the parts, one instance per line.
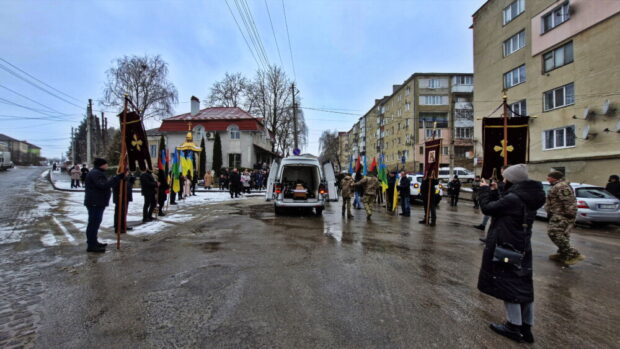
x=273 y=172
x=330 y=180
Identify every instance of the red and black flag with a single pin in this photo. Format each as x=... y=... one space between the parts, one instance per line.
x=432 y=152
x=136 y=143
x=516 y=148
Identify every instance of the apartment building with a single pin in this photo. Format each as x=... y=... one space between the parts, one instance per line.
x=556 y=61
x=423 y=106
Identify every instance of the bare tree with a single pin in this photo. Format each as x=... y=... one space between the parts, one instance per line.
x=232 y=91
x=144 y=79
x=329 y=147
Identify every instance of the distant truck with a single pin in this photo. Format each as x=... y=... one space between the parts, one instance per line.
x=301 y=182
x=5 y=161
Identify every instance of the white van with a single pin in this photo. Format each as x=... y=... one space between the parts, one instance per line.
x=465 y=175
x=301 y=182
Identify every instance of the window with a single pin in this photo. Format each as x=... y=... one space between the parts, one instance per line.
x=407 y=123
x=434 y=83
x=421 y=150
x=407 y=91
x=445 y=150
x=434 y=100
x=234 y=160
x=431 y=132
x=560 y=56
x=559 y=138
x=463 y=80
x=559 y=97
x=514 y=77
x=407 y=106
x=556 y=17
x=519 y=108
x=153 y=150
x=233 y=132
x=514 y=43
x=428 y=120
x=464 y=132
x=513 y=10
x=461 y=153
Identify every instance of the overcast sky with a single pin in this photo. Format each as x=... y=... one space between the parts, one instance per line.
x=345 y=53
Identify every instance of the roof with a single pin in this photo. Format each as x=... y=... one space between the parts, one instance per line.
x=215 y=113
x=481 y=7
x=153 y=132
x=4 y=137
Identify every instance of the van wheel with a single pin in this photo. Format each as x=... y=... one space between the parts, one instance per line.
x=319 y=211
x=278 y=210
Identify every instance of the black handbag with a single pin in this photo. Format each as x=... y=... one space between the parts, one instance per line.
x=506 y=253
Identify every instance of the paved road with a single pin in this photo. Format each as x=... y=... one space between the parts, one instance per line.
x=236 y=275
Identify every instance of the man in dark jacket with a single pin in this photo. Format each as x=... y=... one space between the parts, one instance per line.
x=148 y=185
x=511 y=228
x=235 y=183
x=454 y=190
x=613 y=186
x=404 y=193
x=130 y=180
x=432 y=205
x=96 y=198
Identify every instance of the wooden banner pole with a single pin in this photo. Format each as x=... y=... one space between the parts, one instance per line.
x=122 y=190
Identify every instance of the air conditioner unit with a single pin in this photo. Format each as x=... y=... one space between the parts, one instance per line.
x=608 y=109
x=587 y=133
x=588 y=113
x=210 y=134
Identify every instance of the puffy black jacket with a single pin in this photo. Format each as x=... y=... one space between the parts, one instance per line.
x=613 y=188
x=98 y=188
x=499 y=280
x=403 y=186
x=147 y=183
x=130 y=182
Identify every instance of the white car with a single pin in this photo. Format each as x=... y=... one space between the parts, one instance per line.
x=416 y=184
x=301 y=182
x=465 y=175
x=594 y=204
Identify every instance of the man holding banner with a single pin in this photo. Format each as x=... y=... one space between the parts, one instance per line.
x=431 y=171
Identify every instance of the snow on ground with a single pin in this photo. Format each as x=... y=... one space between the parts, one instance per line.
x=78 y=215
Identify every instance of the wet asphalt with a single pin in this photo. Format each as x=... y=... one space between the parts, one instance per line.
x=237 y=276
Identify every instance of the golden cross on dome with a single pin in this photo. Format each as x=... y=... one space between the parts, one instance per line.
x=500 y=148
x=137 y=143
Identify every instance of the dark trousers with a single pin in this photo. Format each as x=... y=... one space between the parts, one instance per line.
x=161 y=198
x=95 y=215
x=149 y=206
x=75 y=183
x=454 y=199
x=405 y=205
x=117 y=208
x=433 y=213
x=235 y=190
x=173 y=197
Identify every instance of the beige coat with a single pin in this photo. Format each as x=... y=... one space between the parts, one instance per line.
x=208 y=179
x=76 y=174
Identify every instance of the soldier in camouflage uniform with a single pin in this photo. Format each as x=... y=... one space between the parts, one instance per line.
x=561 y=209
x=346 y=193
x=370 y=183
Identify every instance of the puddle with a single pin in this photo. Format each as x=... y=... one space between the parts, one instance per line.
x=211 y=246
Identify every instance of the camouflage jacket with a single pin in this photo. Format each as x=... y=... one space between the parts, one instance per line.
x=561 y=201
x=346 y=187
x=370 y=185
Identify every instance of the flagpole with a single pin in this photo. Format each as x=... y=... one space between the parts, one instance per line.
x=122 y=190
x=505 y=143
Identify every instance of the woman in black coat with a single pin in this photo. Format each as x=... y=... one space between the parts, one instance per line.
x=521 y=198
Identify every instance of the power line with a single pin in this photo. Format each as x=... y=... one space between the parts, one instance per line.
x=42 y=112
x=32 y=100
x=290 y=49
x=10 y=71
x=241 y=31
x=254 y=28
x=273 y=32
x=55 y=89
x=246 y=22
x=330 y=111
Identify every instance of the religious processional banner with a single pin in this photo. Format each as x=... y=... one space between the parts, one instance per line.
x=517 y=147
x=432 y=152
x=137 y=143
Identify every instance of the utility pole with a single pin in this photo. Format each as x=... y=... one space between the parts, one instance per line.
x=294 y=118
x=72 y=146
x=89 y=116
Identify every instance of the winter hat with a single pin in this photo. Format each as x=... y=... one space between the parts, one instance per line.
x=516 y=173
x=556 y=175
x=99 y=162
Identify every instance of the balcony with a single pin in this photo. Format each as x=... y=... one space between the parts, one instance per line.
x=463 y=105
x=462 y=88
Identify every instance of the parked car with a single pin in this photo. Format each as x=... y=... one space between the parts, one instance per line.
x=416 y=183
x=301 y=182
x=5 y=161
x=594 y=204
x=465 y=175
